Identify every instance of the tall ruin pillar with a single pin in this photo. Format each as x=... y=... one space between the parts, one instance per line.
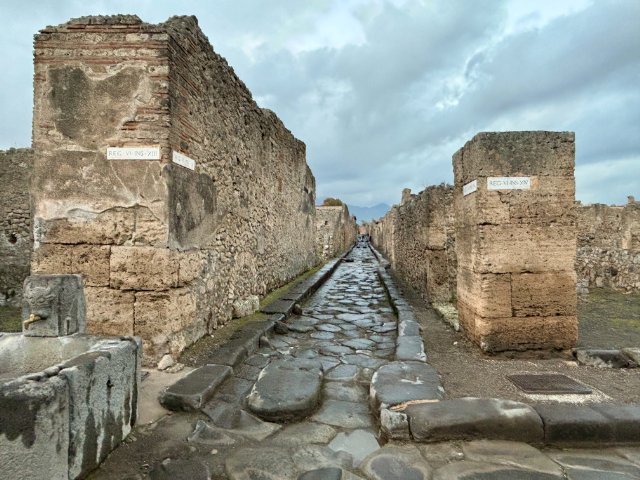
x=516 y=240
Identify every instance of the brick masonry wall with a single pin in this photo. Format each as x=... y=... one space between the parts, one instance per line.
x=164 y=251
x=608 y=252
x=336 y=230
x=421 y=241
x=15 y=223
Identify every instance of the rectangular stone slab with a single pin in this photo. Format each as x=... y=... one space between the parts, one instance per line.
x=475 y=418
x=575 y=425
x=625 y=420
x=197 y=388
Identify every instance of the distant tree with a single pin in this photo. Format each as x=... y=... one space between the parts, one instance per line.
x=331 y=202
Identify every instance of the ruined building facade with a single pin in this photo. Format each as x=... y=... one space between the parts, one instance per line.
x=336 y=230
x=164 y=249
x=16 y=239
x=419 y=238
x=608 y=247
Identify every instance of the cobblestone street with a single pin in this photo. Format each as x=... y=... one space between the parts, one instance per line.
x=299 y=408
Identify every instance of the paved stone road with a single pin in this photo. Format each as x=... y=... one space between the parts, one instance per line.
x=299 y=409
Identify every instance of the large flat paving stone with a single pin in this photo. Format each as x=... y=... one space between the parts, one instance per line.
x=358 y=443
x=196 y=388
x=488 y=471
x=474 y=418
x=514 y=454
x=364 y=361
x=580 y=474
x=304 y=433
x=262 y=464
x=343 y=414
x=286 y=390
x=311 y=457
x=595 y=461
x=399 y=382
x=396 y=463
x=575 y=424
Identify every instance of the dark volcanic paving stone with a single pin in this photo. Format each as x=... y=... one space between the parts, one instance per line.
x=343 y=373
x=329 y=473
x=488 y=471
x=287 y=390
x=234 y=390
x=196 y=388
x=336 y=350
x=343 y=414
x=364 y=361
x=359 y=344
x=399 y=382
x=344 y=391
x=257 y=360
x=575 y=424
x=323 y=335
x=302 y=328
x=328 y=328
x=474 y=418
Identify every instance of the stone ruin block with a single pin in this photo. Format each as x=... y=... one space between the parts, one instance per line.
x=516 y=247
x=53 y=306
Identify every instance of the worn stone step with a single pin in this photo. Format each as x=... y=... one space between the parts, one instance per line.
x=196 y=388
x=475 y=418
x=286 y=390
x=400 y=382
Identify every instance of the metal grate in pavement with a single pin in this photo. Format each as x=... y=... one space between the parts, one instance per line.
x=548 y=383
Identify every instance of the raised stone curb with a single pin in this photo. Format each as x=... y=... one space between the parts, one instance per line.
x=196 y=388
x=475 y=418
x=298 y=293
x=243 y=342
x=590 y=425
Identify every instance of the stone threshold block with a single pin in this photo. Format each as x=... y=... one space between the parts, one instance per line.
x=399 y=382
x=194 y=390
x=592 y=425
x=473 y=419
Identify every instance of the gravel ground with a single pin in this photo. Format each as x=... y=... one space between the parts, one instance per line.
x=466 y=372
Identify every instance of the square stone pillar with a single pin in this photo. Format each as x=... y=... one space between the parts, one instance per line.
x=516 y=240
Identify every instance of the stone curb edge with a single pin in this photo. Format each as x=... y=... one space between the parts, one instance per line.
x=184 y=395
x=560 y=425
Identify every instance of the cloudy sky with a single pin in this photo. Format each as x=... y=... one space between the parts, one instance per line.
x=383 y=92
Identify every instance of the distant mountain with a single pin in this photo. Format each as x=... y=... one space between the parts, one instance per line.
x=367 y=213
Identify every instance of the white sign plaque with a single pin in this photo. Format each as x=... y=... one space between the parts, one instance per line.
x=184 y=161
x=470 y=188
x=507 y=183
x=133 y=153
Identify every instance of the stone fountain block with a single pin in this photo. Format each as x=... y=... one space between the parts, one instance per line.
x=58 y=300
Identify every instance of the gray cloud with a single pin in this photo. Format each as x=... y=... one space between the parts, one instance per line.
x=385 y=96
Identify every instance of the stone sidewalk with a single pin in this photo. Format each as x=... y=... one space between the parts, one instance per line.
x=300 y=406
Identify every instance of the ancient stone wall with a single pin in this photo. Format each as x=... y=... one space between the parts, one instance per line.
x=164 y=250
x=421 y=241
x=382 y=234
x=16 y=238
x=336 y=230
x=516 y=248
x=608 y=252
